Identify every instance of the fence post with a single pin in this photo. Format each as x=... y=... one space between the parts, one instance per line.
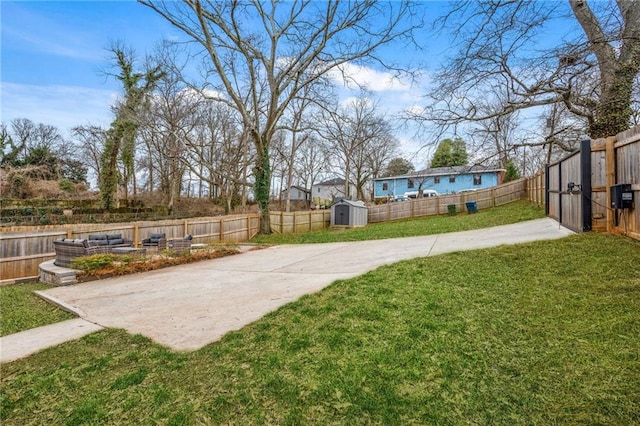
x=221 y=231
x=610 y=174
x=493 y=197
x=585 y=181
x=295 y=231
x=546 y=190
x=136 y=234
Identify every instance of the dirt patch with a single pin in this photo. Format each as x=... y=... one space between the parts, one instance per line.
x=157 y=262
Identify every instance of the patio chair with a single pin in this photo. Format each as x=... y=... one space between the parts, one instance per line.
x=158 y=240
x=181 y=245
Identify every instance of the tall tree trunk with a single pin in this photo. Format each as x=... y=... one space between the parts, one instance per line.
x=294 y=142
x=614 y=110
x=109 y=167
x=262 y=176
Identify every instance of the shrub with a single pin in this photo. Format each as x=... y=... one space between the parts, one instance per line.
x=97 y=261
x=67 y=186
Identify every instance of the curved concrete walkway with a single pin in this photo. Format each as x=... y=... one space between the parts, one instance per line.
x=187 y=307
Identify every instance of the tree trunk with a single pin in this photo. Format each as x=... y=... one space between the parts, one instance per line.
x=614 y=110
x=262 y=175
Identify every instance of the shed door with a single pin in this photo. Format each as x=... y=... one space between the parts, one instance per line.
x=342 y=215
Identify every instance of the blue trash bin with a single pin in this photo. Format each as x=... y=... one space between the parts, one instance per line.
x=472 y=207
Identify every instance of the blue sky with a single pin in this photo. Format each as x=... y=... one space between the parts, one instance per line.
x=54 y=55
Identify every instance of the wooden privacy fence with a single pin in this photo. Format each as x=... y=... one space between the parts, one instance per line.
x=22 y=249
x=429 y=206
x=577 y=189
x=305 y=221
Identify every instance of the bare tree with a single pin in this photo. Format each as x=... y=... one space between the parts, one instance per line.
x=170 y=120
x=592 y=76
x=39 y=145
x=359 y=139
x=310 y=163
x=91 y=140
x=218 y=153
x=299 y=122
x=262 y=55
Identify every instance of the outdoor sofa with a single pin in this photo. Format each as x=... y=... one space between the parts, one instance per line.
x=68 y=249
x=110 y=240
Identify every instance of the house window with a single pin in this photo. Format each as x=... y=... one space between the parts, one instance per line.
x=410 y=184
x=436 y=179
x=477 y=179
x=452 y=179
x=385 y=186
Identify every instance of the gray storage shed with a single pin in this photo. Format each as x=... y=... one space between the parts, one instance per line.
x=348 y=213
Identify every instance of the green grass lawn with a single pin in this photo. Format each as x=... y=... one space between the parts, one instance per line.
x=542 y=333
x=510 y=213
x=22 y=310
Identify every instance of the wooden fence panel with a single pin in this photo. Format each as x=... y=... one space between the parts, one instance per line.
x=484 y=198
x=303 y=221
x=22 y=252
x=553 y=189
x=571 y=202
x=628 y=171
x=426 y=206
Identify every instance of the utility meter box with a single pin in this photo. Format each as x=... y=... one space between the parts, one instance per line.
x=621 y=196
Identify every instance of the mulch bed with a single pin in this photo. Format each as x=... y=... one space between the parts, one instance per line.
x=151 y=264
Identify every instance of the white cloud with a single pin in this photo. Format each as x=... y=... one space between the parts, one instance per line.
x=376 y=81
x=415 y=110
x=61 y=106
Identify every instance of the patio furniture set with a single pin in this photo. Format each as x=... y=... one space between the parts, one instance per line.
x=68 y=249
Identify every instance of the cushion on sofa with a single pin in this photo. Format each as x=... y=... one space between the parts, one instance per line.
x=73 y=242
x=116 y=241
x=156 y=237
x=114 y=237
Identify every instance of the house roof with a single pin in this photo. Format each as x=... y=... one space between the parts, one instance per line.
x=447 y=171
x=296 y=187
x=331 y=182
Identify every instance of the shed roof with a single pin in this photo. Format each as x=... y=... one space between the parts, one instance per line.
x=349 y=202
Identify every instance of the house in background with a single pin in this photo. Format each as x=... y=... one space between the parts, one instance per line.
x=323 y=194
x=297 y=194
x=444 y=180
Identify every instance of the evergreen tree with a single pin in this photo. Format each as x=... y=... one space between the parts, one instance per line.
x=450 y=153
x=512 y=172
x=398 y=167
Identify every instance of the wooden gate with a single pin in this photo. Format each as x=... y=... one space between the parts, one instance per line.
x=568 y=193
